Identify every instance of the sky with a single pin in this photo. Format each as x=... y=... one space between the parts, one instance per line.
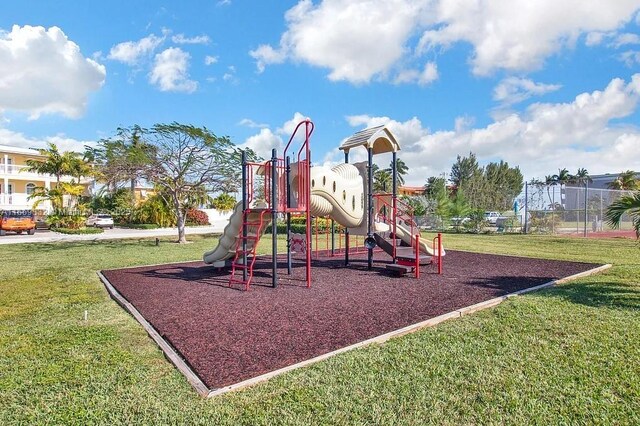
x=542 y=84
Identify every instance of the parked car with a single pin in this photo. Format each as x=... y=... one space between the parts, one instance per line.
x=100 y=221
x=492 y=217
x=17 y=221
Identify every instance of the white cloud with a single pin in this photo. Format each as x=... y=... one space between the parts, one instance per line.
x=542 y=139
x=616 y=40
x=43 y=72
x=267 y=55
x=626 y=38
x=210 y=60
x=428 y=75
x=131 y=52
x=289 y=126
x=361 y=40
x=630 y=57
x=182 y=39
x=355 y=39
x=519 y=35
x=170 y=71
x=595 y=38
x=263 y=142
x=223 y=3
x=247 y=122
x=512 y=90
x=64 y=143
x=230 y=75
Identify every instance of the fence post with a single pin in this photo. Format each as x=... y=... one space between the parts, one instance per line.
x=586 y=206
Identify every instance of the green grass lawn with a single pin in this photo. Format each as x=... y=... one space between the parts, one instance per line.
x=568 y=355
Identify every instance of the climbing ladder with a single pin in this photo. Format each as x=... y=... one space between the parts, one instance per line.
x=253 y=221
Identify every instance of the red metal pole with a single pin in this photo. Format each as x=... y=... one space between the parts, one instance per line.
x=417 y=256
x=307 y=195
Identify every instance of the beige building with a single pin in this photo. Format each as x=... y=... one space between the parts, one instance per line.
x=17 y=184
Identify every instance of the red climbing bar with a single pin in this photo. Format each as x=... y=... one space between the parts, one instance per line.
x=417 y=242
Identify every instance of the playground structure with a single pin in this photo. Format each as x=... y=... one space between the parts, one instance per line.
x=342 y=193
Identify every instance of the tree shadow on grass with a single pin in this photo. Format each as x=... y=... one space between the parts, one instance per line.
x=505 y=284
x=601 y=294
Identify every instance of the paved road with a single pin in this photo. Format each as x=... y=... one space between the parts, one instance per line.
x=45 y=236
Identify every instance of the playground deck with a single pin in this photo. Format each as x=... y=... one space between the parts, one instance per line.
x=227 y=335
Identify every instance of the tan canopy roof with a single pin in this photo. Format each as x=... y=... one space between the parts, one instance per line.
x=379 y=138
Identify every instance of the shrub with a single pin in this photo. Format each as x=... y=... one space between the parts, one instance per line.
x=197 y=217
x=155 y=210
x=65 y=221
x=140 y=225
x=223 y=203
x=78 y=231
x=476 y=222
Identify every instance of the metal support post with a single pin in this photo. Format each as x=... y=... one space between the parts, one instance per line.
x=526 y=206
x=370 y=206
x=245 y=206
x=274 y=218
x=288 y=189
x=346 y=230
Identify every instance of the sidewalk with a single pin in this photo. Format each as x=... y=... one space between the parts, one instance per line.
x=108 y=234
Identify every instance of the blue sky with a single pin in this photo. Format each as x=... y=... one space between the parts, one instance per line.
x=542 y=84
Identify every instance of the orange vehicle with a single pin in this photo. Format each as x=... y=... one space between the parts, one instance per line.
x=17 y=221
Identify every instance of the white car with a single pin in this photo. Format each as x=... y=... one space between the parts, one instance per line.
x=100 y=221
x=491 y=217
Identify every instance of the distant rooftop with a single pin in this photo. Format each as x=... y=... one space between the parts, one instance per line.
x=15 y=150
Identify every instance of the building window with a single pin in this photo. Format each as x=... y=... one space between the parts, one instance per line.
x=30 y=187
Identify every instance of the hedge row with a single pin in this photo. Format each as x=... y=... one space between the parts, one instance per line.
x=78 y=231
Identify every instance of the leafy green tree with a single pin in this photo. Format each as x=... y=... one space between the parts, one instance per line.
x=122 y=158
x=628 y=204
x=419 y=204
x=443 y=207
x=459 y=208
x=464 y=169
x=493 y=187
x=187 y=161
x=224 y=202
x=434 y=186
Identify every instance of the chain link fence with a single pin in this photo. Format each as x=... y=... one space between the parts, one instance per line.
x=569 y=209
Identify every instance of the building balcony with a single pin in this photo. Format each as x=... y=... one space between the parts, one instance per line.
x=20 y=172
x=21 y=201
x=15 y=201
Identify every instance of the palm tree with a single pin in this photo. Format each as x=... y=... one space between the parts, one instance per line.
x=550 y=182
x=563 y=177
x=582 y=177
x=382 y=180
x=628 y=204
x=55 y=163
x=625 y=181
x=401 y=170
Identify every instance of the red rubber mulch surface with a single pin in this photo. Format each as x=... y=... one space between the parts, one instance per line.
x=228 y=336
